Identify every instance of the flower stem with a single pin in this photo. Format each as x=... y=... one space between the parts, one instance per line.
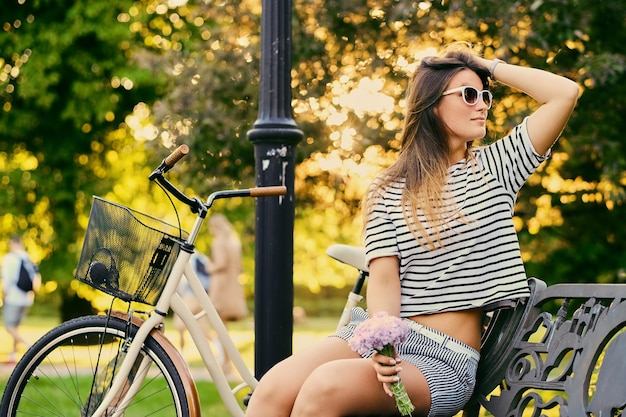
x=403 y=402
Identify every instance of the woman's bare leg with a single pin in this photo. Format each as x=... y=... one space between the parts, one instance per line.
x=278 y=388
x=329 y=379
x=349 y=387
x=180 y=328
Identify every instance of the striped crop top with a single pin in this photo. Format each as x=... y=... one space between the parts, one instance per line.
x=479 y=261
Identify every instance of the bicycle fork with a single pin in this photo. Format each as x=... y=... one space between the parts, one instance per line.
x=129 y=390
x=130 y=374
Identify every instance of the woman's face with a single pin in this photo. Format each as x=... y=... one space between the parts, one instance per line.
x=464 y=122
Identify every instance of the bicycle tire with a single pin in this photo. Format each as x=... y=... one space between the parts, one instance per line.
x=63 y=373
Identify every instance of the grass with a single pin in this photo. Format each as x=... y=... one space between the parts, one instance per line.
x=211 y=404
x=305 y=333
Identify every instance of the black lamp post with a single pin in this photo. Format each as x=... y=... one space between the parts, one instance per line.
x=275 y=136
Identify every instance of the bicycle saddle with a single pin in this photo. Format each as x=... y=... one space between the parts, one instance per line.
x=351 y=255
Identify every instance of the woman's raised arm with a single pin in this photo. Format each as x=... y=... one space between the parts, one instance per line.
x=556 y=94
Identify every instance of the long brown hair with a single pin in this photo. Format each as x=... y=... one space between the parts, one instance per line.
x=423 y=161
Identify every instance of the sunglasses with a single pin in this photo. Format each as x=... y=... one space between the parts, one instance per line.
x=470 y=95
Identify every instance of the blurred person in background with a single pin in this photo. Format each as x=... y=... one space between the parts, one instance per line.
x=225 y=267
x=17 y=301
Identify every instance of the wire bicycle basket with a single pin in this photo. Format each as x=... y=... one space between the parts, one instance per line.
x=126 y=253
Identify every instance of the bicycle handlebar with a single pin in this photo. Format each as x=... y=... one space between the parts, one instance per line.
x=268 y=191
x=195 y=204
x=178 y=154
x=169 y=162
x=249 y=192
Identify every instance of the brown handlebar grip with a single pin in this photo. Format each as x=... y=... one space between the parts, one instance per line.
x=268 y=191
x=176 y=156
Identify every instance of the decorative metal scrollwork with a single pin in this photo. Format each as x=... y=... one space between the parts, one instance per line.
x=572 y=363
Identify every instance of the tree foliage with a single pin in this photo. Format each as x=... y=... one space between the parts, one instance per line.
x=82 y=81
x=568 y=213
x=67 y=80
x=209 y=52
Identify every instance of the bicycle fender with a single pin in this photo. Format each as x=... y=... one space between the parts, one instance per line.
x=180 y=364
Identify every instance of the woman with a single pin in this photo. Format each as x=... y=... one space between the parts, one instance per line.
x=440 y=244
x=225 y=267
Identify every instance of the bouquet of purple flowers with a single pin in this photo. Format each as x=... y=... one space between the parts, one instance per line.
x=383 y=332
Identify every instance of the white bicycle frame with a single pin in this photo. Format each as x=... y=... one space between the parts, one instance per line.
x=170 y=298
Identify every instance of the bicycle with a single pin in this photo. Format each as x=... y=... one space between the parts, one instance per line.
x=121 y=363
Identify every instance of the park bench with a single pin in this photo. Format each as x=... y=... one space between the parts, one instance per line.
x=561 y=352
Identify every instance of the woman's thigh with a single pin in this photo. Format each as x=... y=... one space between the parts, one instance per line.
x=278 y=388
x=350 y=387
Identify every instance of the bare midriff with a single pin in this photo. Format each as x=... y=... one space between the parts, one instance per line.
x=464 y=326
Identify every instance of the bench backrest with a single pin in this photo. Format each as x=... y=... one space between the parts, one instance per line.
x=563 y=350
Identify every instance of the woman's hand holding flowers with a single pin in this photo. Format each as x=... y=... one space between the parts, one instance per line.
x=387 y=370
x=381 y=333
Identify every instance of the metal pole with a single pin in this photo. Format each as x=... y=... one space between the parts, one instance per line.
x=275 y=136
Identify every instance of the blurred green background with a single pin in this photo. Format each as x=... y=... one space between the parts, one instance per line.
x=94 y=93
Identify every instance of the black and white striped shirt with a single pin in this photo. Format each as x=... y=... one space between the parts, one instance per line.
x=479 y=261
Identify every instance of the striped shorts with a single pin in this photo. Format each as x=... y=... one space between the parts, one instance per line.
x=448 y=365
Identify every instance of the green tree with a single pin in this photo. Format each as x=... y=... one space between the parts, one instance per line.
x=209 y=53
x=67 y=80
x=351 y=64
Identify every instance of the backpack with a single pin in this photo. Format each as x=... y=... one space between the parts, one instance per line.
x=25 y=279
x=202 y=271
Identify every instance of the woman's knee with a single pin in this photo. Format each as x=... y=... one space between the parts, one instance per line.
x=323 y=382
x=275 y=392
x=323 y=393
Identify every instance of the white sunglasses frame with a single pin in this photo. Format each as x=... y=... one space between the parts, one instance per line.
x=479 y=94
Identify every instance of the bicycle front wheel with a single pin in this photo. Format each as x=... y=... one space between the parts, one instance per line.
x=68 y=371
